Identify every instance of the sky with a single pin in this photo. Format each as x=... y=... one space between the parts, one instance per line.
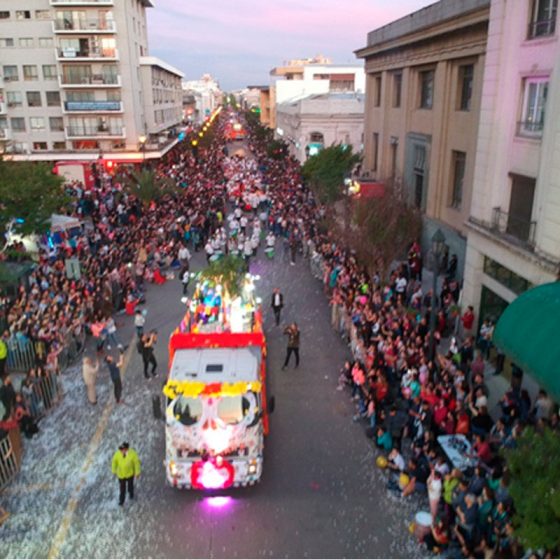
x=239 y=42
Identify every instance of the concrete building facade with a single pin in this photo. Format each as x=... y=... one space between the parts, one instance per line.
x=73 y=76
x=314 y=121
x=514 y=222
x=207 y=96
x=423 y=89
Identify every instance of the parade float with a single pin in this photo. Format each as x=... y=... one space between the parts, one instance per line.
x=216 y=413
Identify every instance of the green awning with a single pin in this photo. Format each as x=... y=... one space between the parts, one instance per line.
x=527 y=332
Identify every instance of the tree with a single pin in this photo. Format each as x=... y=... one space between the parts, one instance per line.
x=29 y=194
x=229 y=271
x=383 y=229
x=147 y=185
x=534 y=466
x=325 y=172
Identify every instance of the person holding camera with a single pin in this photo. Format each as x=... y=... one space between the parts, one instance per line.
x=293 y=344
x=148 y=343
x=115 y=373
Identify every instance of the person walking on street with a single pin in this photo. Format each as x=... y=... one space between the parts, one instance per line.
x=277 y=303
x=115 y=373
x=125 y=466
x=89 y=373
x=293 y=344
x=139 y=322
x=148 y=342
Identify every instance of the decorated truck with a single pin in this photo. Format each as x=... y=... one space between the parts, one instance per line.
x=216 y=414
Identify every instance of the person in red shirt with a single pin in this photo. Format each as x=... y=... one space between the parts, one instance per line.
x=468 y=321
x=482 y=448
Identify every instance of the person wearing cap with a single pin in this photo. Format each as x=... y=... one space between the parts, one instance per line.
x=125 y=466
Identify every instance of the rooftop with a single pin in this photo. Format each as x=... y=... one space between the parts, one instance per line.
x=431 y=15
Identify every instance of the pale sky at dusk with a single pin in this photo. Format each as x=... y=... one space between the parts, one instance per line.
x=239 y=42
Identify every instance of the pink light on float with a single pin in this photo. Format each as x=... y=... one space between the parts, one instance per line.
x=212 y=475
x=218 y=501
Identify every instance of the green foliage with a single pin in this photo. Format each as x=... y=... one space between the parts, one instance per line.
x=31 y=192
x=276 y=149
x=534 y=466
x=148 y=186
x=325 y=171
x=229 y=271
x=384 y=227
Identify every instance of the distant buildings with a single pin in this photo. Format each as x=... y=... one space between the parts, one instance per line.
x=77 y=82
x=200 y=98
x=424 y=83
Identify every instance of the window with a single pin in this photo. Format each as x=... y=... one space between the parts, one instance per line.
x=23 y=14
x=49 y=71
x=10 y=73
x=80 y=96
x=534 y=101
x=59 y=145
x=43 y=14
x=458 y=161
x=34 y=98
x=505 y=276
x=377 y=91
x=36 y=123
x=186 y=410
x=4 y=14
x=46 y=42
x=543 y=18
x=397 y=88
x=53 y=99
x=466 y=74
x=40 y=146
x=14 y=98
x=375 y=151
x=26 y=42
x=6 y=42
x=18 y=124
x=426 y=89
x=519 y=222
x=419 y=172
x=232 y=410
x=30 y=72
x=56 y=124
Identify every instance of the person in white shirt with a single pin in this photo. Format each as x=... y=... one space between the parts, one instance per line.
x=184 y=255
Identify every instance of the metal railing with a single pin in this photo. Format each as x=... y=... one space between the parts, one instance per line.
x=73 y=54
x=95 y=106
x=542 y=28
x=8 y=462
x=94 y=131
x=90 y=80
x=83 y=25
x=516 y=229
x=81 y=2
x=530 y=128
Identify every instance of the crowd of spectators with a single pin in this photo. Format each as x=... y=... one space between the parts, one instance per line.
x=408 y=390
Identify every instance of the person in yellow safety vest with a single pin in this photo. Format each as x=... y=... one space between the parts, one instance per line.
x=3 y=357
x=125 y=466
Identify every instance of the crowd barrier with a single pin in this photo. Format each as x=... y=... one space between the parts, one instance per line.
x=9 y=462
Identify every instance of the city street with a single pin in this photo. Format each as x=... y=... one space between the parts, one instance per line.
x=321 y=495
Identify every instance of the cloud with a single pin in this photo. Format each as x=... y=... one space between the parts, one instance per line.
x=235 y=41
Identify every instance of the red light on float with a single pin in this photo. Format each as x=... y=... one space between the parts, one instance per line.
x=213 y=474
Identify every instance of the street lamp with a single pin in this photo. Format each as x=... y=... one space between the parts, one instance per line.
x=142 y=140
x=438 y=247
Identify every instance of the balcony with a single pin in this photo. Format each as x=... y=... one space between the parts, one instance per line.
x=530 y=129
x=5 y=134
x=507 y=227
x=93 y=25
x=72 y=3
x=93 y=107
x=86 y=55
x=542 y=28
x=3 y=108
x=88 y=82
x=99 y=132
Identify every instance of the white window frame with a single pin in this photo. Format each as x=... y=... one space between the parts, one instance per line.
x=530 y=125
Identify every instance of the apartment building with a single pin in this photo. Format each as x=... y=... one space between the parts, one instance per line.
x=77 y=83
x=207 y=96
x=424 y=75
x=514 y=222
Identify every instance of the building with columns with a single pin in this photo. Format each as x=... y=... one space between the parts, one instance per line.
x=514 y=219
x=424 y=75
x=77 y=81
